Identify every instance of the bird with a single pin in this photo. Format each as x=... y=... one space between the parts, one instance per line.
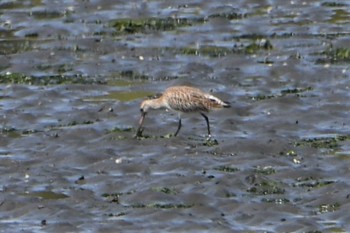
x=182 y=99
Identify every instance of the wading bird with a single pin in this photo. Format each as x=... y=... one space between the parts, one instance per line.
x=182 y=99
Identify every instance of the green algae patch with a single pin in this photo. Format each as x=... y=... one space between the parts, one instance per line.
x=339 y=16
x=339 y=54
x=342 y=54
x=290 y=153
x=266 y=187
x=18 y=78
x=267 y=170
x=226 y=169
x=120 y=133
x=9 y=46
x=275 y=200
x=329 y=207
x=324 y=142
x=132 y=75
x=73 y=123
x=298 y=92
x=135 y=78
x=120 y=214
x=121 y=79
x=123 y=82
x=15 y=78
x=124 y=96
x=333 y=4
x=114 y=197
x=120 y=130
x=311 y=182
x=162 y=205
x=16 y=133
x=221 y=51
x=335 y=55
x=328 y=143
x=46 y=14
x=165 y=190
x=154 y=137
x=344 y=155
x=30 y=131
x=11 y=5
x=170 y=206
x=262 y=44
x=260 y=11
x=263 y=97
x=210 y=142
x=147 y=25
x=230 y=15
x=12 y=134
x=210 y=51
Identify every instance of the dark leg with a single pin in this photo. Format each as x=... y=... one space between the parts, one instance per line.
x=207 y=120
x=178 y=127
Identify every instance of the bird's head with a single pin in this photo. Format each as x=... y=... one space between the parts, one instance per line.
x=145 y=106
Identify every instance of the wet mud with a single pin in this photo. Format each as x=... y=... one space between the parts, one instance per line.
x=73 y=74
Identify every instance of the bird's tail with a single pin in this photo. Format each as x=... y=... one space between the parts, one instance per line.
x=226 y=104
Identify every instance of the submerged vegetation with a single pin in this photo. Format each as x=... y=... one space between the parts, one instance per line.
x=226 y=169
x=147 y=25
x=130 y=26
x=125 y=77
x=267 y=170
x=335 y=55
x=333 y=4
x=165 y=190
x=162 y=205
x=266 y=187
x=18 y=78
x=289 y=91
x=251 y=46
x=311 y=182
x=324 y=142
x=15 y=133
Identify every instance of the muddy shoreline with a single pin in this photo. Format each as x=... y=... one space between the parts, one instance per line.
x=72 y=76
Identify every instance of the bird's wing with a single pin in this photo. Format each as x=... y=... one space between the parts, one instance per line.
x=188 y=102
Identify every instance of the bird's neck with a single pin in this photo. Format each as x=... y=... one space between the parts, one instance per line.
x=157 y=103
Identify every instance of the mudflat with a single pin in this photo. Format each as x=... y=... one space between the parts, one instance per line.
x=73 y=75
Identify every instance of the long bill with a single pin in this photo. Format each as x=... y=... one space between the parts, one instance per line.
x=140 y=129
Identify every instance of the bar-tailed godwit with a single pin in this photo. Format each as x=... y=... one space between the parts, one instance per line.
x=182 y=99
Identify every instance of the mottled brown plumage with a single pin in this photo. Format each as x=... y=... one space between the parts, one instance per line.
x=182 y=99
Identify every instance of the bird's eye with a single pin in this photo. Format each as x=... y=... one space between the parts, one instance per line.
x=141 y=109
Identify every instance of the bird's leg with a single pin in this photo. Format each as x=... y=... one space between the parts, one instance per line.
x=178 y=127
x=208 y=126
x=140 y=129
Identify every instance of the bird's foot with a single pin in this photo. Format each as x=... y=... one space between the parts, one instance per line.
x=169 y=135
x=209 y=141
x=139 y=133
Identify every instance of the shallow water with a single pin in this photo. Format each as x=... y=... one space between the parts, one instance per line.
x=73 y=74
